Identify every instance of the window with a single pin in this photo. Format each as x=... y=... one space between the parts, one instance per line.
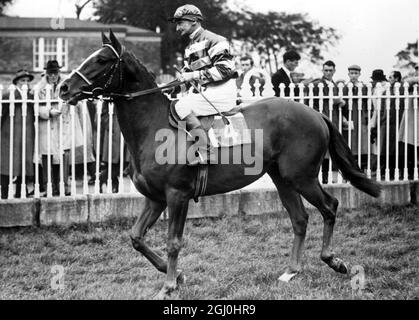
x=45 y=49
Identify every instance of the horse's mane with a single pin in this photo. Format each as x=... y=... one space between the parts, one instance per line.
x=142 y=71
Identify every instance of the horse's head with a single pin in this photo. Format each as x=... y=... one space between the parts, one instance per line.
x=100 y=73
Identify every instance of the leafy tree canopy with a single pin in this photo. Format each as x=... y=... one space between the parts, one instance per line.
x=3 y=4
x=271 y=33
x=408 y=57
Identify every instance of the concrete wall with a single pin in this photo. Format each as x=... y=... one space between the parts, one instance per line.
x=96 y=208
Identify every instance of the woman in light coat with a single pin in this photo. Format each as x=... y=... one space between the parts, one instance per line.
x=51 y=112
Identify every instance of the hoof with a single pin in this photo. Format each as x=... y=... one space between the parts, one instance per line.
x=287 y=276
x=338 y=265
x=166 y=293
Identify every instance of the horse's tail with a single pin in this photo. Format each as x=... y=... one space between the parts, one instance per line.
x=342 y=156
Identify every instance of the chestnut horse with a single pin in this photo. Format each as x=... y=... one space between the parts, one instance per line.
x=295 y=141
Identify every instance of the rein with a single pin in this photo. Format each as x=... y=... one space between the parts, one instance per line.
x=99 y=91
x=134 y=94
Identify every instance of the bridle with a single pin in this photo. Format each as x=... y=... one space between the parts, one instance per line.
x=102 y=91
x=98 y=90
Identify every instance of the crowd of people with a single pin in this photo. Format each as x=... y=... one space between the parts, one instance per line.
x=57 y=140
x=55 y=131
x=357 y=122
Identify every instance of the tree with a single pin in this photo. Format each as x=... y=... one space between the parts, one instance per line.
x=151 y=14
x=270 y=33
x=80 y=7
x=3 y=4
x=408 y=57
x=276 y=32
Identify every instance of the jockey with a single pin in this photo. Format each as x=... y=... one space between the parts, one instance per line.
x=209 y=63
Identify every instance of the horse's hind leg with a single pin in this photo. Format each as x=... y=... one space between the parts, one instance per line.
x=145 y=220
x=327 y=205
x=298 y=215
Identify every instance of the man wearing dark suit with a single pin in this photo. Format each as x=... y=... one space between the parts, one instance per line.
x=283 y=75
x=329 y=69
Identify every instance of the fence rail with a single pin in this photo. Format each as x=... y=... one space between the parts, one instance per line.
x=379 y=123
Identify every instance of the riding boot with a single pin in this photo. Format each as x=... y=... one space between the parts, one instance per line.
x=205 y=152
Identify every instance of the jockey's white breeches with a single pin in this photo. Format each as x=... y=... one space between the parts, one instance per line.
x=222 y=96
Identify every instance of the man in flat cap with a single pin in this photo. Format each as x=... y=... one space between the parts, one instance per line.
x=209 y=64
x=354 y=72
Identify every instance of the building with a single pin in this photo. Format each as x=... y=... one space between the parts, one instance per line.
x=30 y=42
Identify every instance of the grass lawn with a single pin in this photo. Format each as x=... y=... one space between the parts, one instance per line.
x=227 y=258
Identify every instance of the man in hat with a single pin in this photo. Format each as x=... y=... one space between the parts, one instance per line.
x=209 y=64
x=52 y=112
x=378 y=82
x=354 y=72
x=21 y=79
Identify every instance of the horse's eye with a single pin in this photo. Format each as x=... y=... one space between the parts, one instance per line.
x=101 y=61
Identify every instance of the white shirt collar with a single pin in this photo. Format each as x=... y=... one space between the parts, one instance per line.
x=288 y=72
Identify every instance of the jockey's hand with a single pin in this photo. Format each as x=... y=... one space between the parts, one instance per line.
x=189 y=76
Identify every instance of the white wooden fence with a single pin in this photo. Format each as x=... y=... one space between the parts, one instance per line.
x=375 y=106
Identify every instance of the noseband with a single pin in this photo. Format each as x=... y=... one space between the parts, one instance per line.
x=97 y=91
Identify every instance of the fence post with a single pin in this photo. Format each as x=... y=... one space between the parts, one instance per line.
x=24 y=114
x=406 y=118
x=360 y=87
x=369 y=104
x=12 y=115
x=98 y=118
x=387 y=169
x=62 y=191
x=36 y=145
x=48 y=103
x=415 y=125
x=109 y=187
x=397 y=102
x=73 y=150
x=84 y=115
x=329 y=172
x=340 y=95
x=1 y=112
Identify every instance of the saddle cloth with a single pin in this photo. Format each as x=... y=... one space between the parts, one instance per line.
x=220 y=134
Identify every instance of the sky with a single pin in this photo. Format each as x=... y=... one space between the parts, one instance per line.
x=372 y=31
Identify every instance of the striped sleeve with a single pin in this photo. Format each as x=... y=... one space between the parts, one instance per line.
x=223 y=66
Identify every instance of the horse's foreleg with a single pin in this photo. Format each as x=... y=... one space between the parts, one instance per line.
x=145 y=220
x=178 y=208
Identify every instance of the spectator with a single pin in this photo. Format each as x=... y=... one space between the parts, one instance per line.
x=354 y=72
x=283 y=75
x=247 y=64
x=52 y=112
x=412 y=148
x=394 y=77
x=379 y=81
x=329 y=69
x=116 y=147
x=21 y=78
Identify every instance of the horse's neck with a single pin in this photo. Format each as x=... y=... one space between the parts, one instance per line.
x=140 y=119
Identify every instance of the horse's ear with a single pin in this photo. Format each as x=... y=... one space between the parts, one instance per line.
x=105 y=39
x=114 y=41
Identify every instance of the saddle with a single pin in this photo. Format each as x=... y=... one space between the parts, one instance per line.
x=206 y=121
x=220 y=135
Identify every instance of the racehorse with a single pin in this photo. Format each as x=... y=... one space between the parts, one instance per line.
x=295 y=141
